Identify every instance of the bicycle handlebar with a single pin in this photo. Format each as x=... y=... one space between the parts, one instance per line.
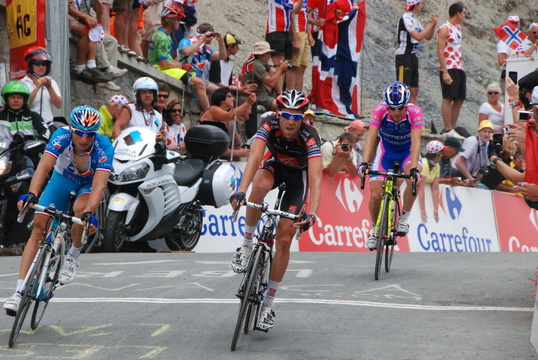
x=264 y=207
x=58 y=215
x=393 y=175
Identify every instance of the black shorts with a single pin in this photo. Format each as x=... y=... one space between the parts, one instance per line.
x=296 y=181
x=407 y=69
x=458 y=88
x=280 y=41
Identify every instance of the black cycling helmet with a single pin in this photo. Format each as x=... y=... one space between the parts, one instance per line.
x=292 y=99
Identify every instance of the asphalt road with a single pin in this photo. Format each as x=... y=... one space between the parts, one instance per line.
x=182 y=306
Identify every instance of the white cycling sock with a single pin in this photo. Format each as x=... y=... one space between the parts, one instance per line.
x=80 y=68
x=74 y=251
x=405 y=215
x=272 y=287
x=91 y=64
x=20 y=284
x=249 y=233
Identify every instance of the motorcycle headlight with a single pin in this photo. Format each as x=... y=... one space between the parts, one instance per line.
x=136 y=172
x=5 y=165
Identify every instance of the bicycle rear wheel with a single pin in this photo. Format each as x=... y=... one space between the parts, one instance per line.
x=382 y=236
x=28 y=295
x=247 y=297
x=47 y=289
x=392 y=241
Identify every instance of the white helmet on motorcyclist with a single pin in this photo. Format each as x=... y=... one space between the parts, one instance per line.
x=145 y=83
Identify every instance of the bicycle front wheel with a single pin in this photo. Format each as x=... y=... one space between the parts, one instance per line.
x=28 y=295
x=247 y=297
x=47 y=288
x=392 y=240
x=382 y=236
x=261 y=281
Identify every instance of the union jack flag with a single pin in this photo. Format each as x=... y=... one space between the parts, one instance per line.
x=511 y=35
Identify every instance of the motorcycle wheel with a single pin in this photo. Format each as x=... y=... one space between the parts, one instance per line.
x=115 y=232
x=185 y=235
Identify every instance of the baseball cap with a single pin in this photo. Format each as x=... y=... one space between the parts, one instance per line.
x=410 y=3
x=309 y=112
x=434 y=146
x=534 y=100
x=356 y=124
x=232 y=39
x=455 y=143
x=513 y=18
x=485 y=124
x=118 y=99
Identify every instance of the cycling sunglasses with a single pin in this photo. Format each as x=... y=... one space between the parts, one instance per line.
x=39 y=63
x=84 y=133
x=288 y=116
x=397 y=108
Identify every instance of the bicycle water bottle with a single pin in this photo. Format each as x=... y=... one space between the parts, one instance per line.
x=56 y=246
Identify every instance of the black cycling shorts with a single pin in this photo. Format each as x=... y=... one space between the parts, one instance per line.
x=296 y=181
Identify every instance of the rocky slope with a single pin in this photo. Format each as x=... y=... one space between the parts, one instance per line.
x=246 y=18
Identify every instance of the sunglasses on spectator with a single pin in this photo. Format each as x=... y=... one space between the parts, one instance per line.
x=163 y=96
x=493 y=93
x=290 y=116
x=397 y=108
x=84 y=133
x=175 y=111
x=39 y=63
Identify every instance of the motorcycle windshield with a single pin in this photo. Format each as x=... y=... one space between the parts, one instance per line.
x=134 y=143
x=5 y=135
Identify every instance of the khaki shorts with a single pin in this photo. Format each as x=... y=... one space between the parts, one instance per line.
x=300 y=58
x=152 y=21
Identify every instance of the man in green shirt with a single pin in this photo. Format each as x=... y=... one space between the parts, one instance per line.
x=160 y=58
x=265 y=75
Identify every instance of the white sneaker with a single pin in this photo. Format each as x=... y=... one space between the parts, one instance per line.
x=403 y=227
x=453 y=133
x=109 y=86
x=12 y=304
x=371 y=243
x=114 y=72
x=69 y=270
x=266 y=320
x=240 y=259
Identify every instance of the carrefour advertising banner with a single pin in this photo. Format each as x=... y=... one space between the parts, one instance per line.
x=25 y=27
x=470 y=220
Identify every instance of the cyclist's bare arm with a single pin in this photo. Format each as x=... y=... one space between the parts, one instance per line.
x=46 y=164
x=369 y=147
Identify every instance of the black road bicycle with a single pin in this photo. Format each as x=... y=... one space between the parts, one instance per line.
x=254 y=283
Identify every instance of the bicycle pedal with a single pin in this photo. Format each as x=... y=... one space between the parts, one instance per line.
x=11 y=313
x=258 y=329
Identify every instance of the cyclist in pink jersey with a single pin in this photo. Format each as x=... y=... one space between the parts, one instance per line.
x=398 y=125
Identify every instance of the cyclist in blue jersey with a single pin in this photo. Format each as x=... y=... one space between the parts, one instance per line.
x=398 y=125
x=82 y=160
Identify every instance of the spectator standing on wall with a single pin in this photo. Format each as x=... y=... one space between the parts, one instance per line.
x=410 y=33
x=451 y=73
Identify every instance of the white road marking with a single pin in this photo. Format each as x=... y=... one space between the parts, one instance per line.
x=295 y=301
x=138 y=262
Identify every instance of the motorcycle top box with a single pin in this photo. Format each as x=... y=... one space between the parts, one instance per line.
x=206 y=141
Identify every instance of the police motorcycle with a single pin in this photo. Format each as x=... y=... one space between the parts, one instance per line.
x=158 y=193
x=16 y=171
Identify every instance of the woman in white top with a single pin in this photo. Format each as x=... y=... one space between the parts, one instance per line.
x=44 y=91
x=493 y=109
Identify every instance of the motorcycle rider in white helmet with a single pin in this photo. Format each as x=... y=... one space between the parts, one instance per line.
x=141 y=113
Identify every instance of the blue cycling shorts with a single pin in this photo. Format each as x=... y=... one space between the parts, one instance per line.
x=58 y=190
